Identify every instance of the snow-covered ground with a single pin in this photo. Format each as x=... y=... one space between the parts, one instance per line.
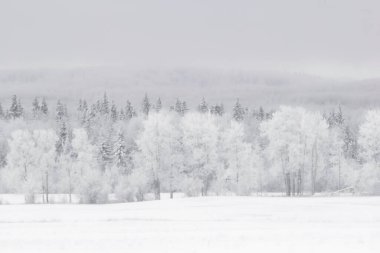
x=210 y=224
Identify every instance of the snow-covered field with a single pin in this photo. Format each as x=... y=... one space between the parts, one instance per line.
x=210 y=224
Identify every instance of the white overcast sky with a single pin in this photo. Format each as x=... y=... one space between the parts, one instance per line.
x=324 y=37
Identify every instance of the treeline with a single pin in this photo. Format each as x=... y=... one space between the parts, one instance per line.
x=131 y=151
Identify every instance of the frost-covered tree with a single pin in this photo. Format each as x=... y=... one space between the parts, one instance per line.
x=200 y=139
x=16 y=109
x=238 y=154
x=89 y=181
x=261 y=114
x=158 y=106
x=369 y=141
x=20 y=163
x=36 y=108
x=129 y=111
x=106 y=150
x=334 y=170
x=105 y=106
x=30 y=159
x=121 y=153
x=146 y=105
x=295 y=137
x=114 y=113
x=44 y=155
x=60 y=111
x=238 y=112
x=180 y=107
x=369 y=136
x=203 y=107
x=44 y=107
x=155 y=144
x=217 y=110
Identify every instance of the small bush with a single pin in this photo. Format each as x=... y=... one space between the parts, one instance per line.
x=93 y=190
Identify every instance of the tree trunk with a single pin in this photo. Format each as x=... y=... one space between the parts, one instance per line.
x=339 y=168
x=287 y=183
x=47 y=187
x=293 y=181
x=156 y=186
x=314 y=160
x=171 y=194
x=299 y=183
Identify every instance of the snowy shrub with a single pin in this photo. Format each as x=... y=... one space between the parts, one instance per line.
x=93 y=189
x=124 y=191
x=132 y=187
x=368 y=180
x=192 y=187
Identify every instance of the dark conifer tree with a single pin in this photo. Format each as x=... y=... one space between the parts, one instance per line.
x=178 y=107
x=16 y=110
x=238 y=112
x=146 y=106
x=114 y=114
x=184 y=108
x=203 y=107
x=105 y=108
x=261 y=114
x=129 y=111
x=60 y=111
x=36 y=108
x=158 y=105
x=44 y=107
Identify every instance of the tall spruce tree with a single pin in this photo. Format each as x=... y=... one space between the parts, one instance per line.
x=44 y=107
x=114 y=113
x=158 y=105
x=238 y=112
x=203 y=107
x=129 y=111
x=146 y=106
x=105 y=108
x=16 y=110
x=36 y=108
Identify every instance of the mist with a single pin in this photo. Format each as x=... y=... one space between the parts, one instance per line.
x=335 y=39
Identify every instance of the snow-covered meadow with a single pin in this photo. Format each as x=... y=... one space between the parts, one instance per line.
x=208 y=224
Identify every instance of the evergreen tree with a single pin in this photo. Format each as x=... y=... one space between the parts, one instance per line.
x=106 y=153
x=184 y=108
x=121 y=153
x=350 y=147
x=146 y=106
x=44 y=107
x=16 y=110
x=20 y=109
x=36 y=108
x=261 y=114
x=122 y=115
x=158 y=105
x=114 y=115
x=217 y=110
x=238 y=112
x=63 y=135
x=60 y=111
x=105 y=108
x=203 y=107
x=339 y=119
x=178 y=107
x=129 y=111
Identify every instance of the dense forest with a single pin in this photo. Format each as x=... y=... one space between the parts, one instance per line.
x=132 y=150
